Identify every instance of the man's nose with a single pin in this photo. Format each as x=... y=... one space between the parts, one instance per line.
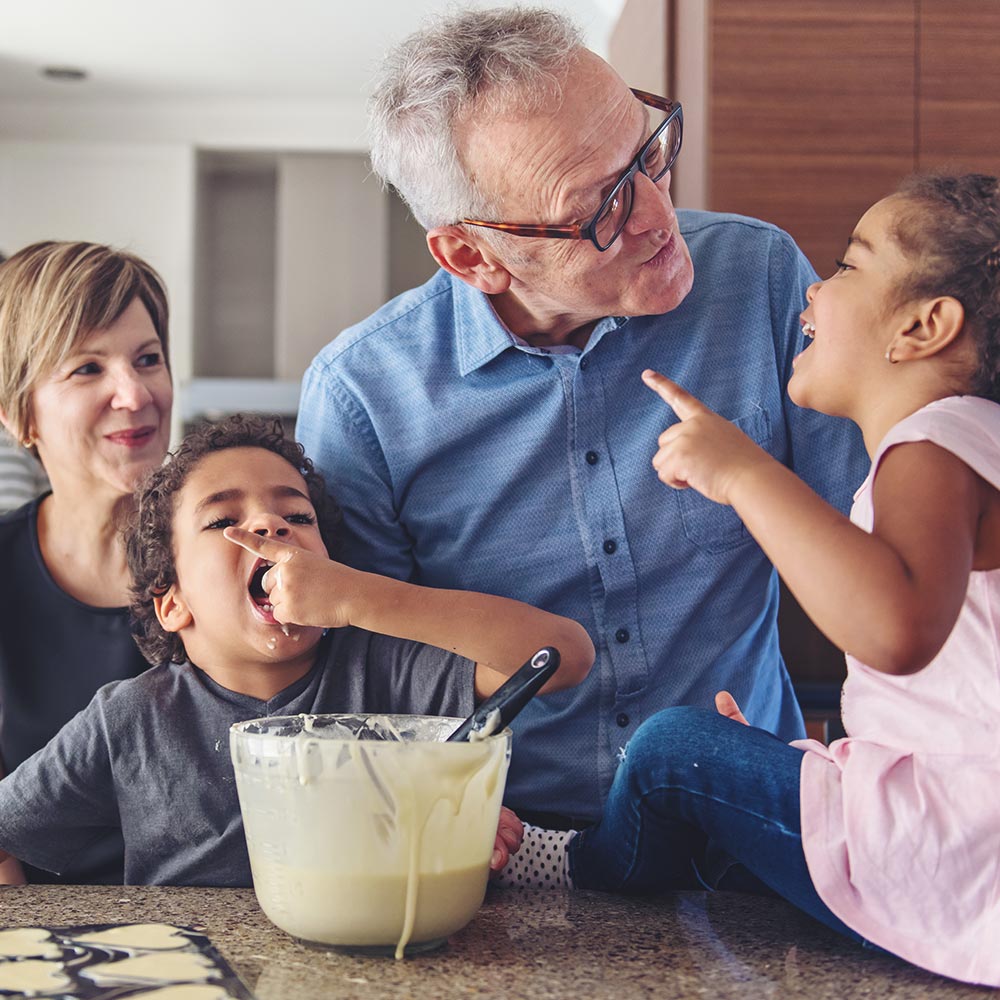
x=651 y=204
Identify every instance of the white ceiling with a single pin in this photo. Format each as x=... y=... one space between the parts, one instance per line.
x=181 y=50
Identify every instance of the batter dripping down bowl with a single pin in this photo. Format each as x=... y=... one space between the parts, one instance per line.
x=368 y=832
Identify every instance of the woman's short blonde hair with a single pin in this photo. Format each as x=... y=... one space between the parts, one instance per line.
x=53 y=295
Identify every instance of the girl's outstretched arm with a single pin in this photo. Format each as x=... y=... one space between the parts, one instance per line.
x=890 y=598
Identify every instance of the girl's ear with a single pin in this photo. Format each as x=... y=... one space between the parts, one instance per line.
x=933 y=325
x=469 y=259
x=171 y=611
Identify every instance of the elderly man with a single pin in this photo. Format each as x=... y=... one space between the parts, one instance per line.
x=489 y=430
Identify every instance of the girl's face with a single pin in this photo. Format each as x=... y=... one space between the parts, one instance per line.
x=220 y=616
x=852 y=318
x=101 y=420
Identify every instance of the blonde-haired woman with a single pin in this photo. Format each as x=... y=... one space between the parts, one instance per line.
x=85 y=386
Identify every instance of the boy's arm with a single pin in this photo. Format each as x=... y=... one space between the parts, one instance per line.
x=498 y=633
x=889 y=597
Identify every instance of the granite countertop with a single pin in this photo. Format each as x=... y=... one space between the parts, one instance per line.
x=541 y=945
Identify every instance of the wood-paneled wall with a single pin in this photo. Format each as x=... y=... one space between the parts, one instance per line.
x=812 y=112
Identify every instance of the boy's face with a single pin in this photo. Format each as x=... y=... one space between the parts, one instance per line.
x=217 y=604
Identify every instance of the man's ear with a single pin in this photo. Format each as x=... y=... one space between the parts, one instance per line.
x=933 y=325
x=471 y=260
x=171 y=611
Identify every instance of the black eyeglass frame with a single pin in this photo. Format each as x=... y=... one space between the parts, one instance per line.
x=674 y=112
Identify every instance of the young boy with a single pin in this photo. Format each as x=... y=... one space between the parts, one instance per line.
x=237 y=600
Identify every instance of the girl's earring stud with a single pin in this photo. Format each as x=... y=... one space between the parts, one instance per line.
x=889 y=357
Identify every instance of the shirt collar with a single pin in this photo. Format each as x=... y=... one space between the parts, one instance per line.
x=481 y=336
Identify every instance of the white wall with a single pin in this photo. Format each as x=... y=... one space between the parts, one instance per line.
x=132 y=195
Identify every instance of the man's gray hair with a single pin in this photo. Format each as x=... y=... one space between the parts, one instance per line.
x=476 y=61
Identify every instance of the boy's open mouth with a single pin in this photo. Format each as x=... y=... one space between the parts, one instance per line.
x=256 y=588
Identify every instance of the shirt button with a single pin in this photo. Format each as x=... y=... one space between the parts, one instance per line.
x=622 y=719
x=610 y=545
x=584 y=363
x=591 y=457
x=622 y=635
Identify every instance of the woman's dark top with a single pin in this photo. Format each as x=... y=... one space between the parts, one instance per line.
x=55 y=652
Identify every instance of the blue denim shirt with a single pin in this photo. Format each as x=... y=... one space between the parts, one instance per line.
x=466 y=459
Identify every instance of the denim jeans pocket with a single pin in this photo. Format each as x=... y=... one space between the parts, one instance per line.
x=712 y=526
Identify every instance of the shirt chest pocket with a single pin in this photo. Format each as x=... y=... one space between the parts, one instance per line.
x=712 y=526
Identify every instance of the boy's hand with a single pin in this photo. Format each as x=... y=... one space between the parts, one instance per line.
x=725 y=704
x=304 y=587
x=510 y=832
x=704 y=451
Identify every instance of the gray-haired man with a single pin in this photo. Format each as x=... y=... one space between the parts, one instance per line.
x=489 y=429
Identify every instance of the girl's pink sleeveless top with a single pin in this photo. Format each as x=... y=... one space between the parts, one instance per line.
x=901 y=820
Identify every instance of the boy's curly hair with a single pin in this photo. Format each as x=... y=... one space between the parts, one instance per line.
x=149 y=533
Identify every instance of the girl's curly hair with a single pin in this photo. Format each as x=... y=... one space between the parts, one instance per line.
x=149 y=533
x=952 y=228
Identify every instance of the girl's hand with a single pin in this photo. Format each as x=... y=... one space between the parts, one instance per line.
x=304 y=587
x=510 y=832
x=704 y=451
x=725 y=704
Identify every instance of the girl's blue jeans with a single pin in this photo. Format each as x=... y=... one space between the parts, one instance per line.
x=701 y=801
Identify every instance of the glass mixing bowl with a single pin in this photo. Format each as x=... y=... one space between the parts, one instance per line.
x=368 y=832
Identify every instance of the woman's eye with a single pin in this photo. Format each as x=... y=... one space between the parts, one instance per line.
x=149 y=360
x=300 y=519
x=842 y=266
x=90 y=368
x=221 y=522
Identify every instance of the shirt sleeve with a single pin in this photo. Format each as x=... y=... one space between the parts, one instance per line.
x=61 y=800
x=826 y=452
x=336 y=433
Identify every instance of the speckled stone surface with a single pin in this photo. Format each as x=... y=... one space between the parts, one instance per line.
x=525 y=944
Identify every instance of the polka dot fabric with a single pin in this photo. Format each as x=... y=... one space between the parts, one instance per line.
x=542 y=861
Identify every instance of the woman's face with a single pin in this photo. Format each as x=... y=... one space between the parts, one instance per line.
x=101 y=420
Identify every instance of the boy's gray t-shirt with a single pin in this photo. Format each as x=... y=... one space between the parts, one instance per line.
x=151 y=755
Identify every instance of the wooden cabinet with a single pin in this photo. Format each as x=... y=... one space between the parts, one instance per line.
x=812 y=113
x=818 y=110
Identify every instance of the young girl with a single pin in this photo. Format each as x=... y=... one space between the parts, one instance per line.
x=891 y=835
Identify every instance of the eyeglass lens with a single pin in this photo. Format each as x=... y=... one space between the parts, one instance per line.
x=657 y=159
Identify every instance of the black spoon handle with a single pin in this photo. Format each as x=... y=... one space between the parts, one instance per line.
x=513 y=694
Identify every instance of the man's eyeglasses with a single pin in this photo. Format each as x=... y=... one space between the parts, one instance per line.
x=655 y=158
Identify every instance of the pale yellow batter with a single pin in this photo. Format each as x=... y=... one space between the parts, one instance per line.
x=138 y=937
x=34 y=976
x=153 y=969
x=28 y=942
x=188 y=991
x=369 y=843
